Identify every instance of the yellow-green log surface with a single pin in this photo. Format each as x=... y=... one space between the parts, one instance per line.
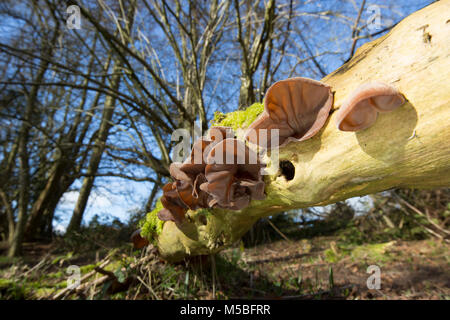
x=409 y=147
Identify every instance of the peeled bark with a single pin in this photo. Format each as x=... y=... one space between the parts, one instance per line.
x=408 y=147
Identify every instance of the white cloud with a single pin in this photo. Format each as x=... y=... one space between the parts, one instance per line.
x=102 y=202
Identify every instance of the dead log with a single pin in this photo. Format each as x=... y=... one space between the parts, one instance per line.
x=409 y=147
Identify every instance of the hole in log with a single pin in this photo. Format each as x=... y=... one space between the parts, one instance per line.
x=203 y=220
x=287 y=169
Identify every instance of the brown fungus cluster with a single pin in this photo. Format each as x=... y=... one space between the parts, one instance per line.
x=233 y=175
x=224 y=172
x=221 y=171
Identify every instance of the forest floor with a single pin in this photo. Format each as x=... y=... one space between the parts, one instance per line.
x=327 y=268
x=323 y=267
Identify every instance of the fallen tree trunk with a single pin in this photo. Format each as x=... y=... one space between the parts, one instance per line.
x=409 y=147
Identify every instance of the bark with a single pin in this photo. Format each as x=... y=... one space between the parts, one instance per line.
x=6 y=201
x=9 y=214
x=407 y=148
x=97 y=152
x=24 y=174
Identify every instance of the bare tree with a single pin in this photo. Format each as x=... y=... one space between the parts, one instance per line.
x=253 y=43
x=24 y=134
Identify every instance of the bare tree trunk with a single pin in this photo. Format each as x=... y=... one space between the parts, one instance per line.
x=9 y=164
x=15 y=247
x=64 y=166
x=252 y=53
x=9 y=215
x=105 y=125
x=97 y=152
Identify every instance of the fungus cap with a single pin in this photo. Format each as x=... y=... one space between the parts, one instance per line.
x=138 y=241
x=174 y=207
x=298 y=107
x=233 y=174
x=360 y=109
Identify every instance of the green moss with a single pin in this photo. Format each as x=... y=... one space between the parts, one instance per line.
x=87 y=268
x=331 y=256
x=151 y=226
x=372 y=252
x=206 y=212
x=61 y=274
x=60 y=285
x=4 y=283
x=43 y=292
x=238 y=119
x=54 y=275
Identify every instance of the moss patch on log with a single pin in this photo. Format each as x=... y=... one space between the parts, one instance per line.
x=151 y=226
x=239 y=119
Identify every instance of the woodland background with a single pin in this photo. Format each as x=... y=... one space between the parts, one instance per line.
x=86 y=117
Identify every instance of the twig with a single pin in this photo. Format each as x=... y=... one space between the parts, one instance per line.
x=278 y=231
x=67 y=290
x=355 y=29
x=413 y=208
x=149 y=288
x=37 y=266
x=213 y=271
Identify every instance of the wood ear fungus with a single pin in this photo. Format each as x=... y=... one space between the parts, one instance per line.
x=233 y=175
x=360 y=110
x=221 y=171
x=138 y=241
x=297 y=107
